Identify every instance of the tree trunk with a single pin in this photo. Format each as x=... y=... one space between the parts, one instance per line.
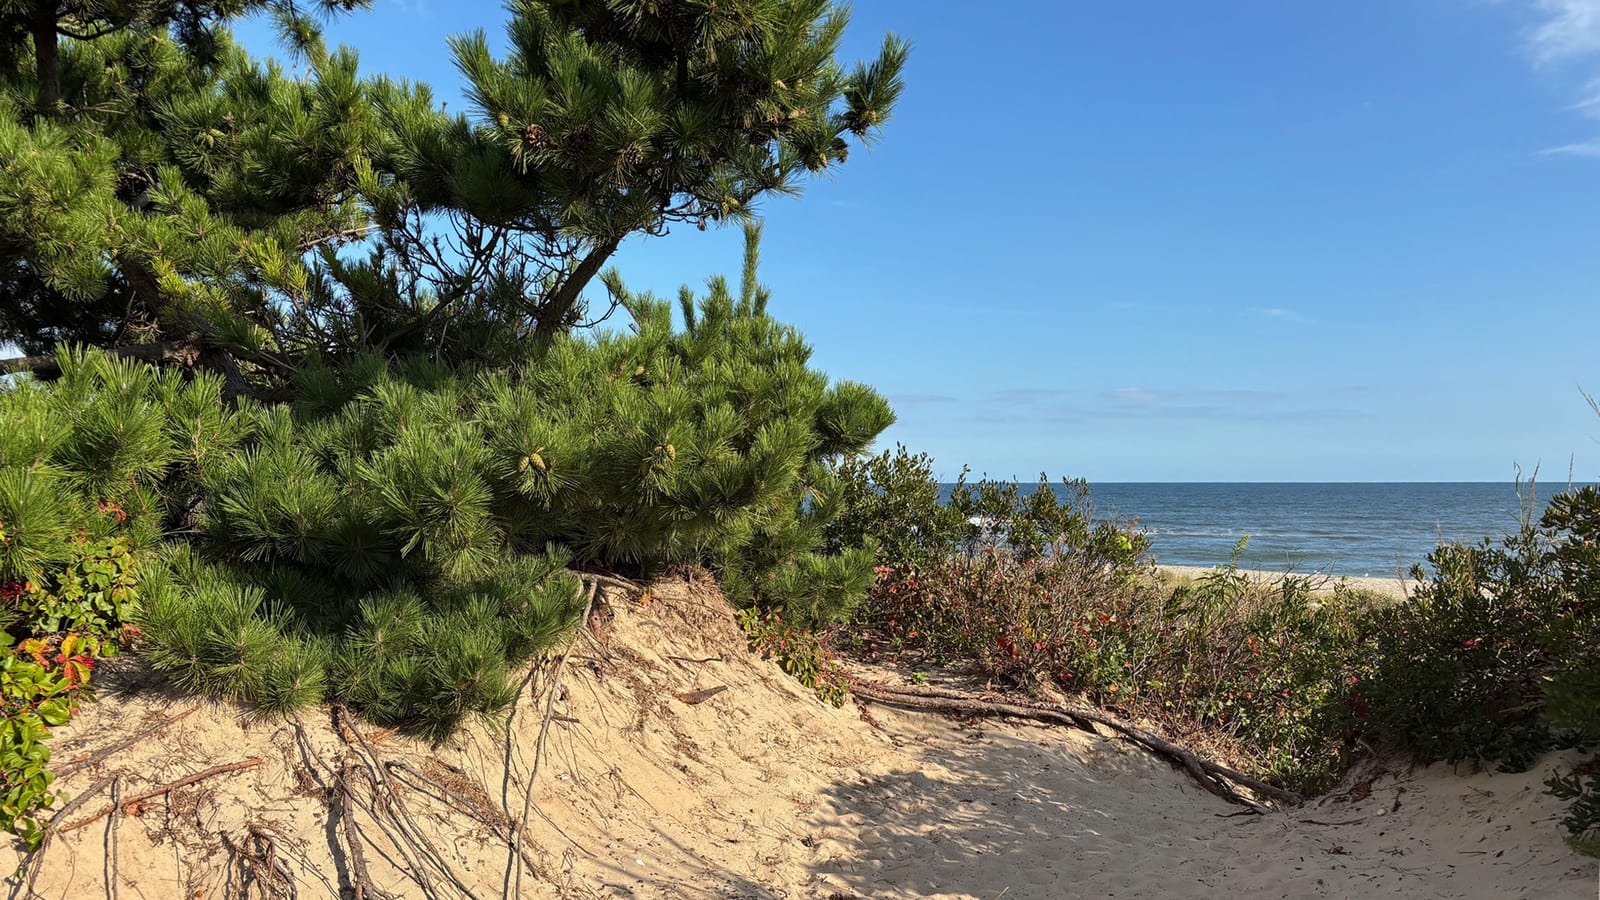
x=46 y=62
x=566 y=296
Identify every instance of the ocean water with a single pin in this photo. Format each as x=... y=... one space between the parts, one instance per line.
x=1342 y=528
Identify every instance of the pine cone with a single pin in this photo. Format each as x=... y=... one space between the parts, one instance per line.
x=632 y=155
x=578 y=138
x=536 y=136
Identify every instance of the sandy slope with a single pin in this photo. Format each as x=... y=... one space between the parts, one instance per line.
x=762 y=792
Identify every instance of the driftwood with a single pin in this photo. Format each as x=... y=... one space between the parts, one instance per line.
x=1214 y=777
x=165 y=789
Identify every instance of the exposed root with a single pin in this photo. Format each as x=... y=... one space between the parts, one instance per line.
x=100 y=756
x=35 y=861
x=261 y=872
x=1214 y=777
x=552 y=694
x=132 y=803
x=111 y=849
x=360 y=876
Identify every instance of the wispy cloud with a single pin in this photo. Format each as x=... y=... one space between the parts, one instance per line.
x=914 y=399
x=1567 y=32
x=1567 y=29
x=1285 y=315
x=1583 y=148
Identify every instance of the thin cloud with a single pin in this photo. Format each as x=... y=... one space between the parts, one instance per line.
x=1568 y=29
x=1584 y=148
x=1062 y=406
x=919 y=399
x=1568 y=32
x=1285 y=315
x=1136 y=395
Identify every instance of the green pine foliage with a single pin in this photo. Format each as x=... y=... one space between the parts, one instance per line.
x=109 y=433
x=157 y=183
x=707 y=443
x=604 y=120
x=398 y=537
x=427 y=659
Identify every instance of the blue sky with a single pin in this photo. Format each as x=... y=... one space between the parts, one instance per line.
x=1168 y=241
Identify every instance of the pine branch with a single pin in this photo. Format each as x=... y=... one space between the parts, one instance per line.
x=182 y=352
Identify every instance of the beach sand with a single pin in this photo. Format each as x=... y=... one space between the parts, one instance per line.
x=648 y=790
x=1394 y=588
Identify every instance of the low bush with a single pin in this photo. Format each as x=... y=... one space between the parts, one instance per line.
x=1262 y=670
x=1492 y=660
x=85 y=466
x=800 y=650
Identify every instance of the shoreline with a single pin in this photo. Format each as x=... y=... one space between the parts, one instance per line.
x=1393 y=587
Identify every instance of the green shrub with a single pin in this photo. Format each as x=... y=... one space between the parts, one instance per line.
x=84 y=462
x=800 y=650
x=382 y=540
x=1461 y=671
x=893 y=505
x=1261 y=670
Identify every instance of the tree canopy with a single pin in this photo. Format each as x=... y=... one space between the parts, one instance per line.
x=162 y=187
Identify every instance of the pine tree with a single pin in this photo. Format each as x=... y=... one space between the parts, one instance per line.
x=610 y=119
x=158 y=186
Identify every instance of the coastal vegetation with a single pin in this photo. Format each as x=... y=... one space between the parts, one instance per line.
x=1489 y=662
x=316 y=410
x=308 y=413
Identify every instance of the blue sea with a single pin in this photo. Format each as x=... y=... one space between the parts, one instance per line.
x=1342 y=528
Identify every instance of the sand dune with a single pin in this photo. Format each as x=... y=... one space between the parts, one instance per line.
x=762 y=792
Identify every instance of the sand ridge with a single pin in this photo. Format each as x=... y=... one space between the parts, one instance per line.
x=648 y=789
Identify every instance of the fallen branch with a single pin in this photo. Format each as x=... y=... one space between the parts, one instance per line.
x=1212 y=776
x=165 y=789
